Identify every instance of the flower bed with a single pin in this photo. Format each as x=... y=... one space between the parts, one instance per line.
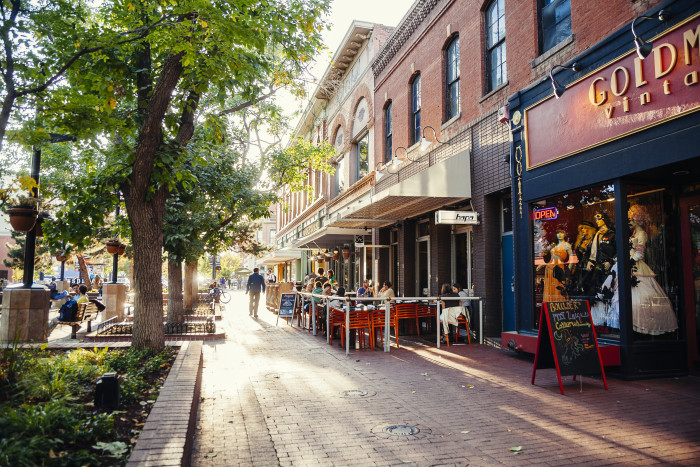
x=47 y=411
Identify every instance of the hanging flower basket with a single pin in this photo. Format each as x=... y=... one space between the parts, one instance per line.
x=121 y=249
x=61 y=256
x=112 y=247
x=22 y=219
x=346 y=253
x=336 y=256
x=43 y=217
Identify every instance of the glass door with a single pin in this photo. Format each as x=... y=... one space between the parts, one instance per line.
x=690 y=225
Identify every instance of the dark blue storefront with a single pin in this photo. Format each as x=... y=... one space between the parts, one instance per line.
x=606 y=196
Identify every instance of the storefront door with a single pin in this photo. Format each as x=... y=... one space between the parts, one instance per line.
x=690 y=224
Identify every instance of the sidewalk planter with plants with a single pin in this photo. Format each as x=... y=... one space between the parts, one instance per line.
x=47 y=411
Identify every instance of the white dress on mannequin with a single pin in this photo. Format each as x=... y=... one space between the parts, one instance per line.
x=652 y=312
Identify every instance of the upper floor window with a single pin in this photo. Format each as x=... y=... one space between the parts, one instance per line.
x=387 y=133
x=496 y=44
x=555 y=22
x=340 y=176
x=452 y=79
x=415 y=109
x=362 y=154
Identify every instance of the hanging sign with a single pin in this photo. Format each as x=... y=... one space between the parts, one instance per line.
x=545 y=214
x=359 y=241
x=567 y=341
x=457 y=217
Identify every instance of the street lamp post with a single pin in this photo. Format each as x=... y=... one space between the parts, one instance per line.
x=30 y=241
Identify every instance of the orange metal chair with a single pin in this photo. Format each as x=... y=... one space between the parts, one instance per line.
x=359 y=320
x=378 y=322
x=461 y=319
x=426 y=310
x=407 y=311
x=336 y=319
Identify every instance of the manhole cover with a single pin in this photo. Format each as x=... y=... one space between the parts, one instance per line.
x=402 y=430
x=355 y=393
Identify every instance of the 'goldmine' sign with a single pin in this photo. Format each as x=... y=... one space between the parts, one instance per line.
x=623 y=97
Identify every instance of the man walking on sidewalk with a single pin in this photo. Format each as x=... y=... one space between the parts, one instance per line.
x=256 y=284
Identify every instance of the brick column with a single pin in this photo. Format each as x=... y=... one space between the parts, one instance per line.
x=114 y=296
x=25 y=314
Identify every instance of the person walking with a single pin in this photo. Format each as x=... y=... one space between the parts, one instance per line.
x=256 y=284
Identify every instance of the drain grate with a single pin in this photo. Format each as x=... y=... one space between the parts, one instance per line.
x=357 y=393
x=400 y=431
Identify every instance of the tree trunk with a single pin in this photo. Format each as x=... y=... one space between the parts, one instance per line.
x=190 y=298
x=146 y=219
x=176 y=312
x=84 y=271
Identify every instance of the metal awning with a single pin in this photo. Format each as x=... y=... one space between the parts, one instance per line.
x=444 y=183
x=281 y=256
x=329 y=237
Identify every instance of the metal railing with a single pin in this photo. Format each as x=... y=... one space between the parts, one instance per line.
x=437 y=300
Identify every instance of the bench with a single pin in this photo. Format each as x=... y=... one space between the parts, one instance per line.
x=87 y=312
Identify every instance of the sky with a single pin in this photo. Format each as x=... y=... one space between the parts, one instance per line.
x=343 y=12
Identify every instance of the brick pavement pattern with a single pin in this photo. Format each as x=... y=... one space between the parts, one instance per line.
x=275 y=395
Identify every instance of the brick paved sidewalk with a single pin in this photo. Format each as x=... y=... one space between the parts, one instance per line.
x=274 y=395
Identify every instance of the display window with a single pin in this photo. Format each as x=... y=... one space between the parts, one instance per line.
x=654 y=260
x=575 y=253
x=575 y=258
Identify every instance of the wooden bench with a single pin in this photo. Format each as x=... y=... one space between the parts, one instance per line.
x=87 y=312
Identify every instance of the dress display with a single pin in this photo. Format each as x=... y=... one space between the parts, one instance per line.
x=652 y=312
x=554 y=273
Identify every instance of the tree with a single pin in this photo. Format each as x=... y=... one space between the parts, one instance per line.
x=140 y=92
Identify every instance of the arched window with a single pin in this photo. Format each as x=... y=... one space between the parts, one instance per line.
x=415 y=109
x=388 y=131
x=452 y=78
x=495 y=44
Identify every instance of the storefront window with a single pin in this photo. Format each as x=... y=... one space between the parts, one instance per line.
x=575 y=253
x=654 y=260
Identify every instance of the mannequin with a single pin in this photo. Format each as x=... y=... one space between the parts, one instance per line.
x=582 y=249
x=652 y=312
x=601 y=275
x=554 y=272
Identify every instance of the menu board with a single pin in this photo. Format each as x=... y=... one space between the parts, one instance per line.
x=567 y=341
x=287 y=303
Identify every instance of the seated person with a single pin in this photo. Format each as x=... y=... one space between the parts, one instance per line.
x=318 y=290
x=82 y=294
x=53 y=292
x=339 y=304
x=386 y=290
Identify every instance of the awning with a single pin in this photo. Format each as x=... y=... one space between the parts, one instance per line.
x=329 y=237
x=281 y=256
x=442 y=184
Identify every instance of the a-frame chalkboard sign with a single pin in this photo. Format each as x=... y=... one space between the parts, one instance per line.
x=567 y=341
x=288 y=302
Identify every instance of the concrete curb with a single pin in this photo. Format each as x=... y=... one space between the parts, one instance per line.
x=167 y=436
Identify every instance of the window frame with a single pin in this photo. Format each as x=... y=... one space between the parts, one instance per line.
x=358 y=172
x=388 y=133
x=498 y=45
x=452 y=80
x=415 y=108
x=541 y=5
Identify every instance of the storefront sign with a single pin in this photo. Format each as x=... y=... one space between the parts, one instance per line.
x=457 y=217
x=624 y=97
x=359 y=241
x=545 y=214
x=309 y=229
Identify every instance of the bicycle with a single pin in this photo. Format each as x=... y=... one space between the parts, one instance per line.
x=224 y=297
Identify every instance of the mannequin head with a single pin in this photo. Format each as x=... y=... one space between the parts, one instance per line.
x=638 y=216
x=561 y=235
x=602 y=219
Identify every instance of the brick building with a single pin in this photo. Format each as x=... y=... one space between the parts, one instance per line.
x=606 y=184
x=311 y=231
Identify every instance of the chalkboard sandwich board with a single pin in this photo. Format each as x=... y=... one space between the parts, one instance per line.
x=287 y=304
x=567 y=341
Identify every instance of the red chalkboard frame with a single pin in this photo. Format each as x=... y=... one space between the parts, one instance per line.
x=551 y=360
